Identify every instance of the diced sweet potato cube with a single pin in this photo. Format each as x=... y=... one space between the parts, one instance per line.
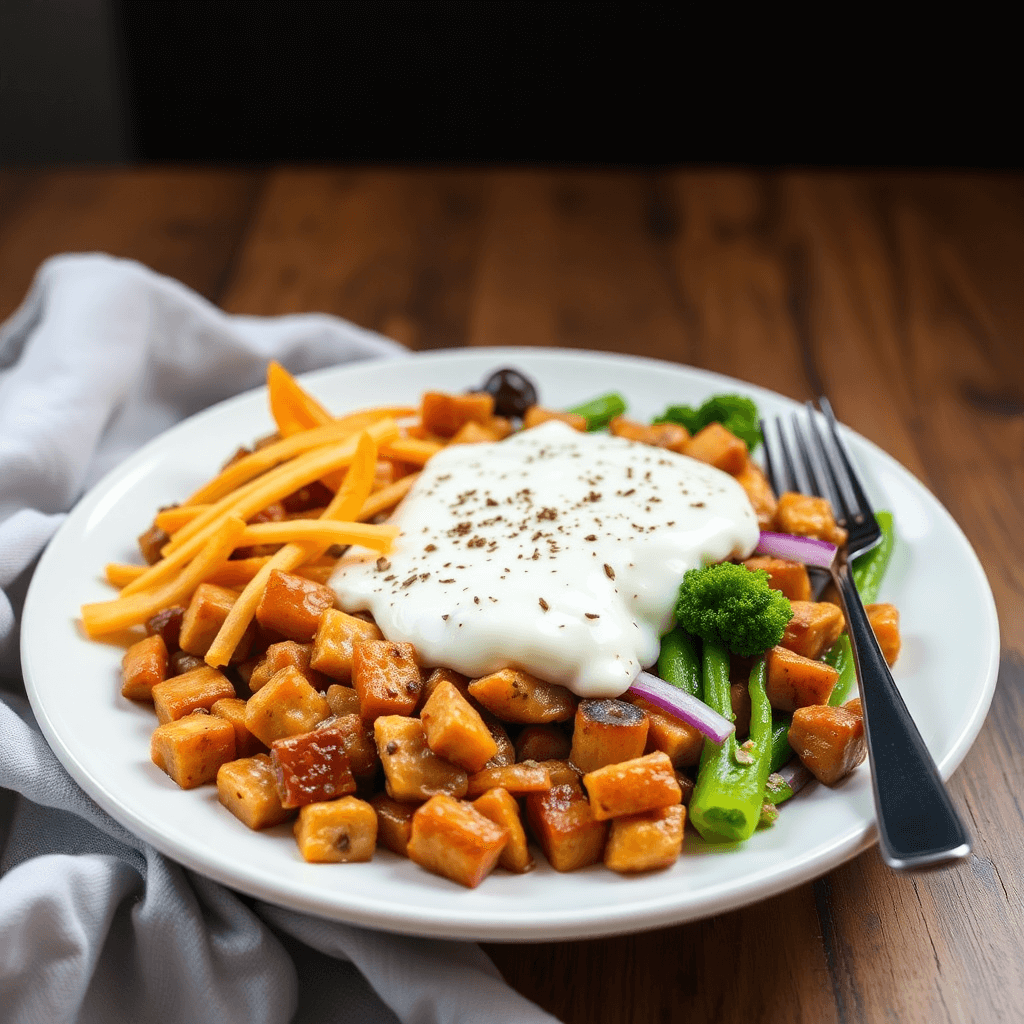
x=506 y=750
x=394 y=823
x=718 y=447
x=386 y=677
x=536 y=415
x=445 y=675
x=797 y=682
x=248 y=789
x=885 y=622
x=455 y=730
x=151 y=542
x=759 y=492
x=561 y=772
x=474 y=433
x=680 y=740
x=343 y=700
x=453 y=839
x=443 y=414
x=789 y=578
x=286 y=706
x=337 y=831
x=332 y=646
x=643 y=784
x=412 y=771
x=854 y=707
x=203 y=618
x=232 y=709
x=672 y=436
x=292 y=605
x=526 y=777
x=645 y=842
x=542 y=743
x=192 y=749
x=360 y=744
x=281 y=655
x=563 y=822
x=167 y=622
x=180 y=663
x=181 y=695
x=311 y=767
x=829 y=741
x=501 y=807
x=143 y=666
x=808 y=516
x=516 y=696
x=500 y=427
x=606 y=732
x=814 y=628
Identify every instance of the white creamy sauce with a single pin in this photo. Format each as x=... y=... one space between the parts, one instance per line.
x=555 y=552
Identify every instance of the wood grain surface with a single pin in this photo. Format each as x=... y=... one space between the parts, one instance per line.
x=898 y=294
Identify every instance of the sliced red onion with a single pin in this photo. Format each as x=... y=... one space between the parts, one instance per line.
x=683 y=705
x=808 y=550
x=795 y=775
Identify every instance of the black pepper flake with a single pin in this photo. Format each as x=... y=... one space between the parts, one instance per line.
x=592 y=615
x=543 y=604
x=476 y=600
x=410 y=581
x=383 y=565
x=591 y=536
x=446 y=581
x=444 y=618
x=392 y=747
x=609 y=571
x=430 y=547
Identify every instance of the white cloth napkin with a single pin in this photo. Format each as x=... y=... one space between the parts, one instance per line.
x=95 y=925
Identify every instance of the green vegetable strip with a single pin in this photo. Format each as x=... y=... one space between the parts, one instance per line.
x=599 y=412
x=726 y=802
x=781 y=750
x=777 y=790
x=679 y=662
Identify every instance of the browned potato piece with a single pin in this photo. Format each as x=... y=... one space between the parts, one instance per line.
x=643 y=784
x=151 y=542
x=394 y=823
x=386 y=677
x=885 y=622
x=501 y=807
x=180 y=663
x=759 y=492
x=453 y=839
x=499 y=427
x=181 y=695
x=561 y=772
x=659 y=435
x=360 y=745
x=445 y=675
x=248 y=789
x=292 y=605
x=412 y=771
x=645 y=842
x=527 y=777
x=506 y=751
x=332 y=647
x=542 y=743
x=338 y=832
x=516 y=696
x=192 y=749
x=808 y=516
x=281 y=655
x=311 y=767
x=443 y=414
x=672 y=735
x=203 y=618
x=686 y=785
x=563 y=822
x=167 y=622
x=232 y=709
x=606 y=732
x=789 y=578
x=286 y=706
x=814 y=628
x=536 y=415
x=718 y=447
x=474 y=433
x=143 y=666
x=797 y=682
x=829 y=741
x=343 y=700
x=455 y=730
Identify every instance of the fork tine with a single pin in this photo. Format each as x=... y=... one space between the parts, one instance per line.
x=864 y=509
x=796 y=482
x=770 y=468
x=837 y=495
x=810 y=463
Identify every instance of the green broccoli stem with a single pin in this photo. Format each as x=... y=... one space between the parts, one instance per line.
x=600 y=411
x=726 y=802
x=679 y=662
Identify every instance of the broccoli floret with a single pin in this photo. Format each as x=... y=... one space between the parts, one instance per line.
x=730 y=605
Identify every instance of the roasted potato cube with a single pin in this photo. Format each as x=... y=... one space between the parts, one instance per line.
x=506 y=750
x=453 y=839
x=232 y=709
x=181 y=695
x=474 y=433
x=672 y=436
x=281 y=655
x=680 y=740
x=180 y=663
x=455 y=730
x=829 y=741
x=643 y=784
x=645 y=842
x=394 y=823
x=192 y=749
x=516 y=696
x=167 y=622
x=527 y=777
x=720 y=448
x=386 y=677
x=789 y=578
x=445 y=675
x=814 y=628
x=412 y=771
x=343 y=700
x=561 y=772
x=337 y=831
x=797 y=682
x=311 y=767
x=360 y=745
x=248 y=789
x=563 y=822
x=808 y=516
x=332 y=647
x=292 y=605
x=501 y=807
x=444 y=414
x=759 y=493
x=542 y=743
x=500 y=427
x=286 y=706
x=151 y=542
x=143 y=666
x=203 y=618
x=885 y=622
x=536 y=415
x=606 y=732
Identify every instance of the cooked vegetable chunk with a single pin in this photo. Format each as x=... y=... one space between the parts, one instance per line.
x=181 y=695
x=143 y=666
x=814 y=628
x=829 y=741
x=248 y=789
x=192 y=749
x=311 y=767
x=444 y=414
x=789 y=578
x=659 y=435
x=797 y=682
x=680 y=740
x=360 y=744
x=760 y=494
x=203 y=618
x=455 y=730
x=501 y=807
x=232 y=709
x=286 y=706
x=168 y=624
x=808 y=516
x=885 y=622
x=719 y=448
x=535 y=416
x=527 y=777
x=516 y=696
x=645 y=842
x=332 y=646
x=563 y=822
x=292 y=605
x=338 y=831
x=642 y=784
x=606 y=732
x=542 y=743
x=343 y=700
x=394 y=823
x=386 y=677
x=412 y=771
x=281 y=655
x=453 y=839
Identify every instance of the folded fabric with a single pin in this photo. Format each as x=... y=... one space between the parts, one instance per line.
x=95 y=925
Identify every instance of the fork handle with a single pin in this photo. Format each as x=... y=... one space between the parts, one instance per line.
x=917 y=823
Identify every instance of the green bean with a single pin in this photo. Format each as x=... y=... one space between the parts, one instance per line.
x=600 y=411
x=781 y=750
x=679 y=662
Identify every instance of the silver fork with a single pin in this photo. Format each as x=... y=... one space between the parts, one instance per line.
x=917 y=824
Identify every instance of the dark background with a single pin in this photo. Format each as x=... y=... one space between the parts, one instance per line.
x=497 y=82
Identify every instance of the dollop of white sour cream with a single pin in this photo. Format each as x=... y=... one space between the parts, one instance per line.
x=555 y=552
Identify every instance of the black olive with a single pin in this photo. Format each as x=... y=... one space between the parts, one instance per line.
x=513 y=393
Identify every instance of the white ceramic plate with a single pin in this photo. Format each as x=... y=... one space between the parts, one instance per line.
x=103 y=739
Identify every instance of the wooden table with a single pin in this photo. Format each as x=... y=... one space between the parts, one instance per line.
x=898 y=294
